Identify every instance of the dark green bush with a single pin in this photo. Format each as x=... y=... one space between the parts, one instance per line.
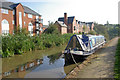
x=21 y=43
x=117 y=62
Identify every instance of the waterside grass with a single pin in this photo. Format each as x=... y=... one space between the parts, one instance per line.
x=117 y=62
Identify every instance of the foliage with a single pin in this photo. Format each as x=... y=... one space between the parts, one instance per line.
x=54 y=57
x=108 y=30
x=92 y=32
x=21 y=43
x=117 y=62
x=52 y=29
x=101 y=29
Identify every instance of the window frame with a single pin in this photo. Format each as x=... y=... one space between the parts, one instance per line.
x=4 y=11
x=30 y=16
x=24 y=14
x=13 y=22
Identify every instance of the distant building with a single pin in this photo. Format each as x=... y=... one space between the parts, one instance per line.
x=62 y=27
x=70 y=22
x=15 y=14
x=75 y=26
x=91 y=25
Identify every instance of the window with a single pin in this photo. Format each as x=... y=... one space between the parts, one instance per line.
x=29 y=15
x=24 y=23
x=5 y=27
x=74 y=28
x=37 y=26
x=74 y=44
x=41 y=20
x=5 y=11
x=13 y=22
x=20 y=19
x=24 y=14
x=30 y=29
x=37 y=17
x=93 y=42
x=13 y=12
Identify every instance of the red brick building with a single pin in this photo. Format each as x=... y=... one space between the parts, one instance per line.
x=15 y=14
x=75 y=26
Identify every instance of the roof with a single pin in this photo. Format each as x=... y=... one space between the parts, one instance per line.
x=8 y=5
x=89 y=22
x=70 y=19
x=30 y=11
x=11 y=6
x=61 y=23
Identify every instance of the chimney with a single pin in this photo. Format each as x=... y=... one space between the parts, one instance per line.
x=65 y=18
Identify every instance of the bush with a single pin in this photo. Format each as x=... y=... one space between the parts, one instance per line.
x=92 y=32
x=117 y=62
x=52 y=29
x=21 y=43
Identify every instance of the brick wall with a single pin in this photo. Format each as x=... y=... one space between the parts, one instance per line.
x=9 y=18
x=62 y=30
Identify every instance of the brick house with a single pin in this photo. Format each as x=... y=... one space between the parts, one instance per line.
x=15 y=14
x=62 y=27
x=70 y=22
x=91 y=25
x=75 y=26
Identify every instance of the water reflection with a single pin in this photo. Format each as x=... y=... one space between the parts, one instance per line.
x=23 y=67
x=48 y=69
x=53 y=66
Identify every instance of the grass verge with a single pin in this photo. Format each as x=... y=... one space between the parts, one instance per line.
x=117 y=62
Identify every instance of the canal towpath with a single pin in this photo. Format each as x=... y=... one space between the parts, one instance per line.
x=103 y=65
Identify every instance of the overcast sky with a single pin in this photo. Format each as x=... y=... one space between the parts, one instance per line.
x=99 y=11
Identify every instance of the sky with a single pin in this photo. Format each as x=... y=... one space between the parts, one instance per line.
x=99 y=11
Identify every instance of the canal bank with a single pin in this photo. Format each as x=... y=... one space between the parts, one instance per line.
x=48 y=63
x=98 y=65
x=11 y=62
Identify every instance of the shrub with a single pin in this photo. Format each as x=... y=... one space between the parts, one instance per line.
x=117 y=62
x=52 y=29
x=21 y=43
x=92 y=32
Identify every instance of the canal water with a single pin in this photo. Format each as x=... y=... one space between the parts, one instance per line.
x=38 y=64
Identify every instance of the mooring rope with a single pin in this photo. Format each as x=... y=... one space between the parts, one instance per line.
x=74 y=60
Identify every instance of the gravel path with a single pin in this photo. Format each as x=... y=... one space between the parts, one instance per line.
x=103 y=65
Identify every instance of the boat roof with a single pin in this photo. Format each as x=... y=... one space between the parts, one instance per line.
x=83 y=39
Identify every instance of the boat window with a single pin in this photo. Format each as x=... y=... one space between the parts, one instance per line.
x=93 y=42
x=74 y=44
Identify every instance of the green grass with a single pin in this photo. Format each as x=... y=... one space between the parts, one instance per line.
x=21 y=43
x=117 y=62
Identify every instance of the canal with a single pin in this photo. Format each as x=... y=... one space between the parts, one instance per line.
x=48 y=63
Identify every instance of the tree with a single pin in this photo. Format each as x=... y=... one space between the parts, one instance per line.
x=92 y=32
x=102 y=30
x=107 y=22
x=52 y=29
